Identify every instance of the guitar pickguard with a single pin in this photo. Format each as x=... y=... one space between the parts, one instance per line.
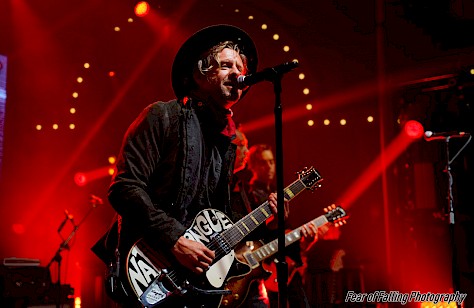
x=206 y=225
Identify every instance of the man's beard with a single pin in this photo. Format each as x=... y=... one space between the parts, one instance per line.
x=230 y=95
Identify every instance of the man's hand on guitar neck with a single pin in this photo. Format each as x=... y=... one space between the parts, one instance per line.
x=310 y=235
x=272 y=222
x=193 y=255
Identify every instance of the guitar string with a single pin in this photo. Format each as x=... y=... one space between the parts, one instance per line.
x=173 y=274
x=298 y=186
x=319 y=221
x=233 y=236
x=236 y=236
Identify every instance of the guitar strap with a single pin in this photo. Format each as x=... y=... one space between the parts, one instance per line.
x=107 y=249
x=113 y=284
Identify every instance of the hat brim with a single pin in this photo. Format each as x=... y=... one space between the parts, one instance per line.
x=201 y=42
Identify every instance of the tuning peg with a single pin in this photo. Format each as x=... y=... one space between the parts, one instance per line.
x=339 y=223
x=330 y=208
x=302 y=171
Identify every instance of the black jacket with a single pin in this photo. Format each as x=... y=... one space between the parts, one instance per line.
x=173 y=156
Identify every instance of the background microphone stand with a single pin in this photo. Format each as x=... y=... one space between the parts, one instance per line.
x=450 y=209
x=94 y=201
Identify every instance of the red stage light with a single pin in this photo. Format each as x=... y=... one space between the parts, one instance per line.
x=83 y=178
x=142 y=8
x=80 y=179
x=413 y=129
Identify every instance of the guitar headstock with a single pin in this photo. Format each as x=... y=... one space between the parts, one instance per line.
x=310 y=177
x=335 y=214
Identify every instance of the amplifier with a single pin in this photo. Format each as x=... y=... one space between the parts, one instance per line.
x=31 y=286
x=24 y=281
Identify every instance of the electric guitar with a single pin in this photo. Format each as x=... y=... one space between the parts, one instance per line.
x=251 y=254
x=155 y=276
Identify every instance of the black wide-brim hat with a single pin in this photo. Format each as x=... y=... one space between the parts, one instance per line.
x=202 y=41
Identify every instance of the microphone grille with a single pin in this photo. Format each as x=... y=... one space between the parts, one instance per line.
x=428 y=133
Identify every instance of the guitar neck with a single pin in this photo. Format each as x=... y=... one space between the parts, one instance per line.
x=258 y=216
x=271 y=248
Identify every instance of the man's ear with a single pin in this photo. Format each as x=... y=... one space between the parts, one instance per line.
x=197 y=81
x=194 y=82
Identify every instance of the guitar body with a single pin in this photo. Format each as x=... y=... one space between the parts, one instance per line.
x=239 y=284
x=154 y=277
x=251 y=256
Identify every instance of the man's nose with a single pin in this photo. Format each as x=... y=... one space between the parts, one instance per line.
x=235 y=71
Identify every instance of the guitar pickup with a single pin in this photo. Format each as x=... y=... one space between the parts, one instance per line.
x=222 y=244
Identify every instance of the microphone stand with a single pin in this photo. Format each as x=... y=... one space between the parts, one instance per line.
x=64 y=245
x=274 y=75
x=449 y=198
x=281 y=265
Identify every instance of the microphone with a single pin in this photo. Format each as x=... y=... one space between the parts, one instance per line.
x=267 y=74
x=430 y=136
x=95 y=200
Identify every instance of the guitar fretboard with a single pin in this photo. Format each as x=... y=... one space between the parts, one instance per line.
x=254 y=219
x=291 y=237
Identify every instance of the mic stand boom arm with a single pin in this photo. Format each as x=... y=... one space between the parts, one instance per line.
x=64 y=245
